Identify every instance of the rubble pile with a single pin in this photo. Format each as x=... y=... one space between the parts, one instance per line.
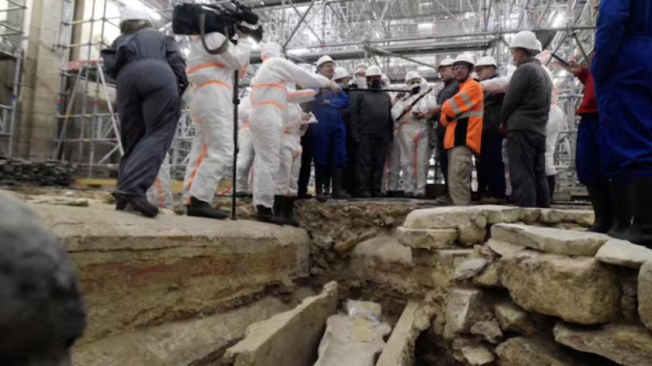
x=519 y=294
x=49 y=173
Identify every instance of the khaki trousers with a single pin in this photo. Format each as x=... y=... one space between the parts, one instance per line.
x=460 y=168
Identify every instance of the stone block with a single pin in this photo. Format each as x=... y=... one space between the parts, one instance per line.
x=472 y=353
x=567 y=242
x=645 y=294
x=555 y=216
x=503 y=248
x=513 y=319
x=383 y=260
x=489 y=277
x=436 y=269
x=489 y=330
x=136 y=272
x=289 y=338
x=427 y=238
x=178 y=343
x=627 y=345
x=470 y=268
x=470 y=222
x=465 y=307
x=579 y=290
x=624 y=253
x=522 y=351
x=399 y=350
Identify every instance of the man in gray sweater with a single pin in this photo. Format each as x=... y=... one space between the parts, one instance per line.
x=524 y=116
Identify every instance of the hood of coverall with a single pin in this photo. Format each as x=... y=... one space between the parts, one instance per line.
x=271 y=49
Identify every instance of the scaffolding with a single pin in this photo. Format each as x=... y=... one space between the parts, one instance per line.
x=11 y=50
x=398 y=35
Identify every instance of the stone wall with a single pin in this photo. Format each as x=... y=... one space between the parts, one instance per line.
x=514 y=294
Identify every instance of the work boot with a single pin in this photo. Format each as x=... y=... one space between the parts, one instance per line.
x=288 y=211
x=265 y=214
x=600 y=196
x=199 y=208
x=139 y=204
x=621 y=207
x=320 y=181
x=377 y=194
x=338 y=192
x=121 y=206
x=409 y=195
x=641 y=230
x=364 y=194
x=278 y=205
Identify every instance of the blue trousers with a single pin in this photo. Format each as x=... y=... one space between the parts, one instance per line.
x=588 y=159
x=329 y=145
x=491 y=168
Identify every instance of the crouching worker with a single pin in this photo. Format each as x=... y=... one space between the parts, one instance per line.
x=269 y=102
x=373 y=129
x=462 y=115
x=149 y=70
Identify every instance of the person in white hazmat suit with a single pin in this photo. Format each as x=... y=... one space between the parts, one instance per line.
x=413 y=134
x=269 y=102
x=245 y=148
x=212 y=110
x=291 y=151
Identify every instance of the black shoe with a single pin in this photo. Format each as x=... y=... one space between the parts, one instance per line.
x=278 y=205
x=409 y=195
x=377 y=194
x=395 y=194
x=265 y=214
x=600 y=196
x=621 y=203
x=305 y=197
x=365 y=195
x=320 y=182
x=121 y=206
x=641 y=230
x=139 y=204
x=288 y=211
x=199 y=208
x=338 y=192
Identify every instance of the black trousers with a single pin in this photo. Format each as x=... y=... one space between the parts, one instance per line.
x=149 y=107
x=306 y=163
x=527 y=169
x=372 y=152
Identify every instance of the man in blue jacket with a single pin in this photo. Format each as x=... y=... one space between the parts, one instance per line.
x=623 y=79
x=329 y=135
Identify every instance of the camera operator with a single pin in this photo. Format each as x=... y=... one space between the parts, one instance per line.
x=149 y=70
x=212 y=110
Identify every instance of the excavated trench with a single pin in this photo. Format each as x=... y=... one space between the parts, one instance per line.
x=485 y=285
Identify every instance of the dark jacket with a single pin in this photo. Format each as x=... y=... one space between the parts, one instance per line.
x=526 y=106
x=493 y=105
x=371 y=115
x=449 y=90
x=145 y=44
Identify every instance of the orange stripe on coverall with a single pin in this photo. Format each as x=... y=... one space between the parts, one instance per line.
x=160 y=192
x=270 y=85
x=204 y=66
x=269 y=102
x=204 y=150
x=217 y=82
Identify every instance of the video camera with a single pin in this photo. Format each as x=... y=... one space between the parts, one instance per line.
x=200 y=19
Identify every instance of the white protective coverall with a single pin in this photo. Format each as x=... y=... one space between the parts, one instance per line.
x=212 y=112
x=160 y=194
x=246 y=146
x=269 y=101
x=413 y=138
x=553 y=128
x=291 y=150
x=393 y=166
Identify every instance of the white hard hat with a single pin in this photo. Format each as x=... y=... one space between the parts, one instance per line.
x=466 y=59
x=323 y=60
x=133 y=13
x=362 y=65
x=340 y=73
x=527 y=40
x=446 y=62
x=270 y=49
x=411 y=76
x=374 y=71
x=486 y=61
